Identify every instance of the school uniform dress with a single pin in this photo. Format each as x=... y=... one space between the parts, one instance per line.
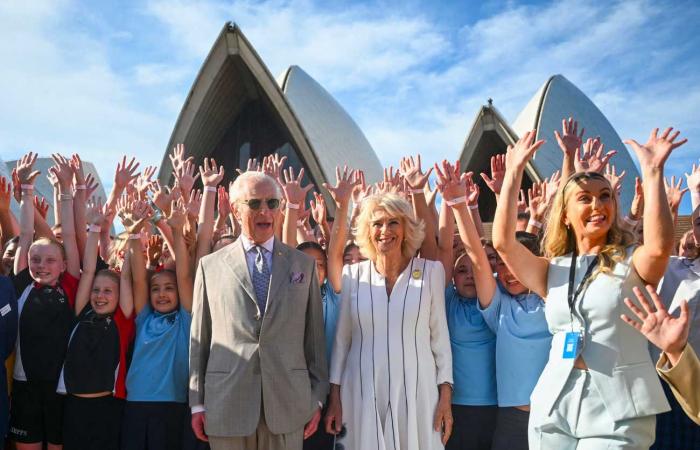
x=390 y=355
x=681 y=282
x=612 y=404
x=8 y=336
x=522 y=345
x=95 y=362
x=46 y=319
x=474 y=400
x=156 y=410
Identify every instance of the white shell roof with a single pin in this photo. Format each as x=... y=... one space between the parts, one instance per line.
x=557 y=99
x=334 y=136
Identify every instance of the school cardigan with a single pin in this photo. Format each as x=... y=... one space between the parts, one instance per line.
x=684 y=380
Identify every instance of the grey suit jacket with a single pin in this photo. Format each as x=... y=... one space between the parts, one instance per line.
x=239 y=361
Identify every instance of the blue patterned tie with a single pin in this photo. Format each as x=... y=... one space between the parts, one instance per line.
x=261 y=278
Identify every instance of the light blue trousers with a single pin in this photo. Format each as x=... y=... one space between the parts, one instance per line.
x=580 y=421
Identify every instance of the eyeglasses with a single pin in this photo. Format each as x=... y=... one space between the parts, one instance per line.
x=256 y=203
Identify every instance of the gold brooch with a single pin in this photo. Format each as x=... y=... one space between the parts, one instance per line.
x=416 y=274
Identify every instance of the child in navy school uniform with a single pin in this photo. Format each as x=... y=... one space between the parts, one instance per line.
x=94 y=371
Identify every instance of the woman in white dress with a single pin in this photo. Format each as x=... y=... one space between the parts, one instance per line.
x=391 y=369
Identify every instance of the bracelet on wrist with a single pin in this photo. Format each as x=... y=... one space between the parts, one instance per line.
x=94 y=228
x=65 y=197
x=535 y=223
x=209 y=188
x=79 y=187
x=133 y=237
x=473 y=207
x=292 y=205
x=456 y=201
x=417 y=191
x=27 y=187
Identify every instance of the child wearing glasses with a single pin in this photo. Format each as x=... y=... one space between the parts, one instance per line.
x=94 y=370
x=156 y=410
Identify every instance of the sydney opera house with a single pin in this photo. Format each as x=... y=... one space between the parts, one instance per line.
x=236 y=110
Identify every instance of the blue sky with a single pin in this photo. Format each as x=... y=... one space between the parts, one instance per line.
x=107 y=78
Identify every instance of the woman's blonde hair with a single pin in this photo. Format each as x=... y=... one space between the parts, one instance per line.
x=394 y=206
x=559 y=240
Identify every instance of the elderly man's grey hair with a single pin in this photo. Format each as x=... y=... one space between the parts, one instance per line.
x=236 y=190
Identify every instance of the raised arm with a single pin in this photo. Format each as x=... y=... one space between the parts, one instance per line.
x=537 y=198
x=124 y=175
x=454 y=187
x=417 y=179
x=79 y=203
x=210 y=180
x=674 y=195
x=650 y=259
x=531 y=270
x=341 y=194
x=569 y=142
x=25 y=177
x=64 y=174
x=126 y=292
x=693 y=181
x=134 y=215
x=473 y=203
x=498 y=171
x=295 y=196
x=183 y=264
x=319 y=213
x=9 y=227
x=95 y=216
x=629 y=222
x=446 y=231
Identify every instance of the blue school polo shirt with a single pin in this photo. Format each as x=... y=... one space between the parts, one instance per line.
x=522 y=344
x=159 y=369
x=331 y=309
x=473 y=351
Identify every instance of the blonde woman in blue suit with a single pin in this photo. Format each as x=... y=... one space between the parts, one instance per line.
x=599 y=388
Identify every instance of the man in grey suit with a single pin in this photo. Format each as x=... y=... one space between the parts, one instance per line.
x=258 y=372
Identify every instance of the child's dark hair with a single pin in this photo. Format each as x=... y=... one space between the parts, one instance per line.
x=349 y=247
x=311 y=245
x=529 y=240
x=14 y=240
x=161 y=272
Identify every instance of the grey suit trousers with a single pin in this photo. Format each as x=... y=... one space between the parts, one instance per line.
x=261 y=439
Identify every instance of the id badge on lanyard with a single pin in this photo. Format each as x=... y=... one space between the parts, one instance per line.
x=573 y=340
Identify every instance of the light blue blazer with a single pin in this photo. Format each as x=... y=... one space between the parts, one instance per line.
x=616 y=354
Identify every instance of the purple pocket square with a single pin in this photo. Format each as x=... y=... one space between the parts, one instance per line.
x=297 y=277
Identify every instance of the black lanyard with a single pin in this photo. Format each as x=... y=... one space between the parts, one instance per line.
x=573 y=295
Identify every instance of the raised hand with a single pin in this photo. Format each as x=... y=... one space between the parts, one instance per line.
x=143 y=181
x=345 y=187
x=78 y=172
x=210 y=176
x=125 y=173
x=62 y=170
x=614 y=178
x=593 y=158
x=522 y=203
x=451 y=184
x=392 y=181
x=272 y=166
x=472 y=190
x=161 y=197
x=96 y=213
x=224 y=202
x=185 y=178
x=25 y=174
x=637 y=208
x=42 y=206
x=657 y=149
x=252 y=166
x=154 y=250
x=517 y=156
x=498 y=172
x=668 y=333
x=537 y=198
x=194 y=203
x=674 y=193
x=692 y=179
x=552 y=186
x=90 y=185
x=569 y=140
x=5 y=194
x=178 y=214
x=361 y=189
x=133 y=213
x=177 y=159
x=410 y=169
x=294 y=193
x=318 y=208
